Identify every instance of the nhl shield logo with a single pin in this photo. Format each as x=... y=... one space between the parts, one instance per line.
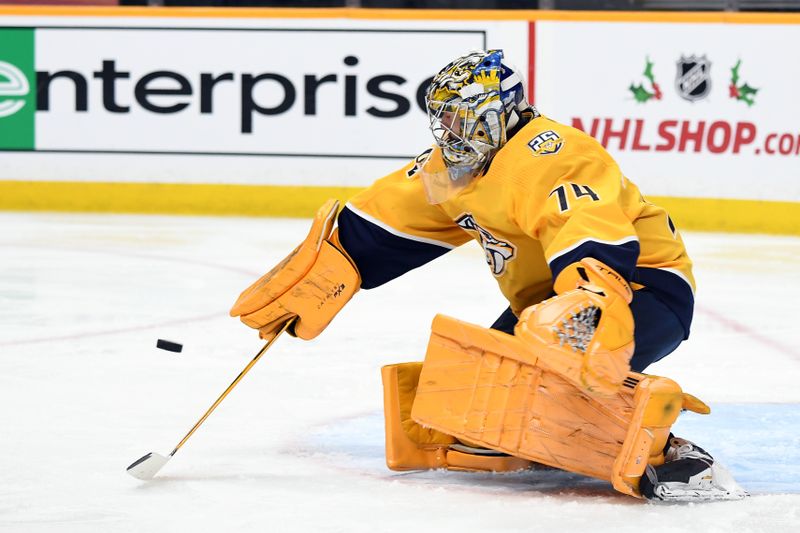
x=693 y=79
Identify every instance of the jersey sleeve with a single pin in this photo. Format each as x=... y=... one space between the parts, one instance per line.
x=584 y=213
x=390 y=228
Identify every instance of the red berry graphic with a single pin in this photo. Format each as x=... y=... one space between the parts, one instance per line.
x=657 y=90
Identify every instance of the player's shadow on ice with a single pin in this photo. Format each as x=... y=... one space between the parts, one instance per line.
x=523 y=484
x=355 y=445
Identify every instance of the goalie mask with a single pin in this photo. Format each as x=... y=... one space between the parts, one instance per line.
x=472 y=103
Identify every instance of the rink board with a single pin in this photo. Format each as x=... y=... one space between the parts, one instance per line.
x=212 y=108
x=699 y=214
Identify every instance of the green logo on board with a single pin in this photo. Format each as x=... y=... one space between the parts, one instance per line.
x=17 y=89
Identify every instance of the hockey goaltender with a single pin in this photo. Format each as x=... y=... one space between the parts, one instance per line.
x=598 y=281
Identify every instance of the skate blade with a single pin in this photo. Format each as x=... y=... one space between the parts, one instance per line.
x=701 y=496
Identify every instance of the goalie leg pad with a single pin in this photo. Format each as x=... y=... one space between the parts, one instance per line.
x=410 y=446
x=487 y=387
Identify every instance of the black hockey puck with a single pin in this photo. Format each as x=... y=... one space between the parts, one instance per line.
x=169 y=345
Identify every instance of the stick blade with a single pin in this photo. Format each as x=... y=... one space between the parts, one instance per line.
x=147 y=466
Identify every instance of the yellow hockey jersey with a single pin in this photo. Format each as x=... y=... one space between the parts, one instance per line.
x=551 y=196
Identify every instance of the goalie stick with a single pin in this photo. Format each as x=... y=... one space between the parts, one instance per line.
x=147 y=466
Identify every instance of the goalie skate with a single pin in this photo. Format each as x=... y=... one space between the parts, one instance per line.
x=688 y=474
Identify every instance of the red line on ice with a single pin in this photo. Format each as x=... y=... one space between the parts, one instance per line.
x=101 y=333
x=129 y=329
x=750 y=332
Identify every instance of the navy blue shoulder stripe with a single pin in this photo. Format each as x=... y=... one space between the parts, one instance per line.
x=621 y=257
x=379 y=255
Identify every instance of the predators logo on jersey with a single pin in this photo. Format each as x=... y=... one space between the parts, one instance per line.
x=546 y=143
x=498 y=253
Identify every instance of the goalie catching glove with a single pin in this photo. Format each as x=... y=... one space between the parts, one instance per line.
x=313 y=283
x=586 y=332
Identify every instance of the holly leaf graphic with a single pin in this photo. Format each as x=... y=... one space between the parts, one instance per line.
x=747 y=94
x=735 y=72
x=746 y=89
x=648 y=70
x=640 y=93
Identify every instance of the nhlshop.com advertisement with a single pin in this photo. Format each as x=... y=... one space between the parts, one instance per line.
x=688 y=109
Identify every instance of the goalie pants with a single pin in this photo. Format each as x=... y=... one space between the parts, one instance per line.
x=657 y=329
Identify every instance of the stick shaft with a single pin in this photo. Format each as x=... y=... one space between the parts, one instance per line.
x=222 y=396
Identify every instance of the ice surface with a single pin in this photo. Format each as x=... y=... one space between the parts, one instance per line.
x=297 y=446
